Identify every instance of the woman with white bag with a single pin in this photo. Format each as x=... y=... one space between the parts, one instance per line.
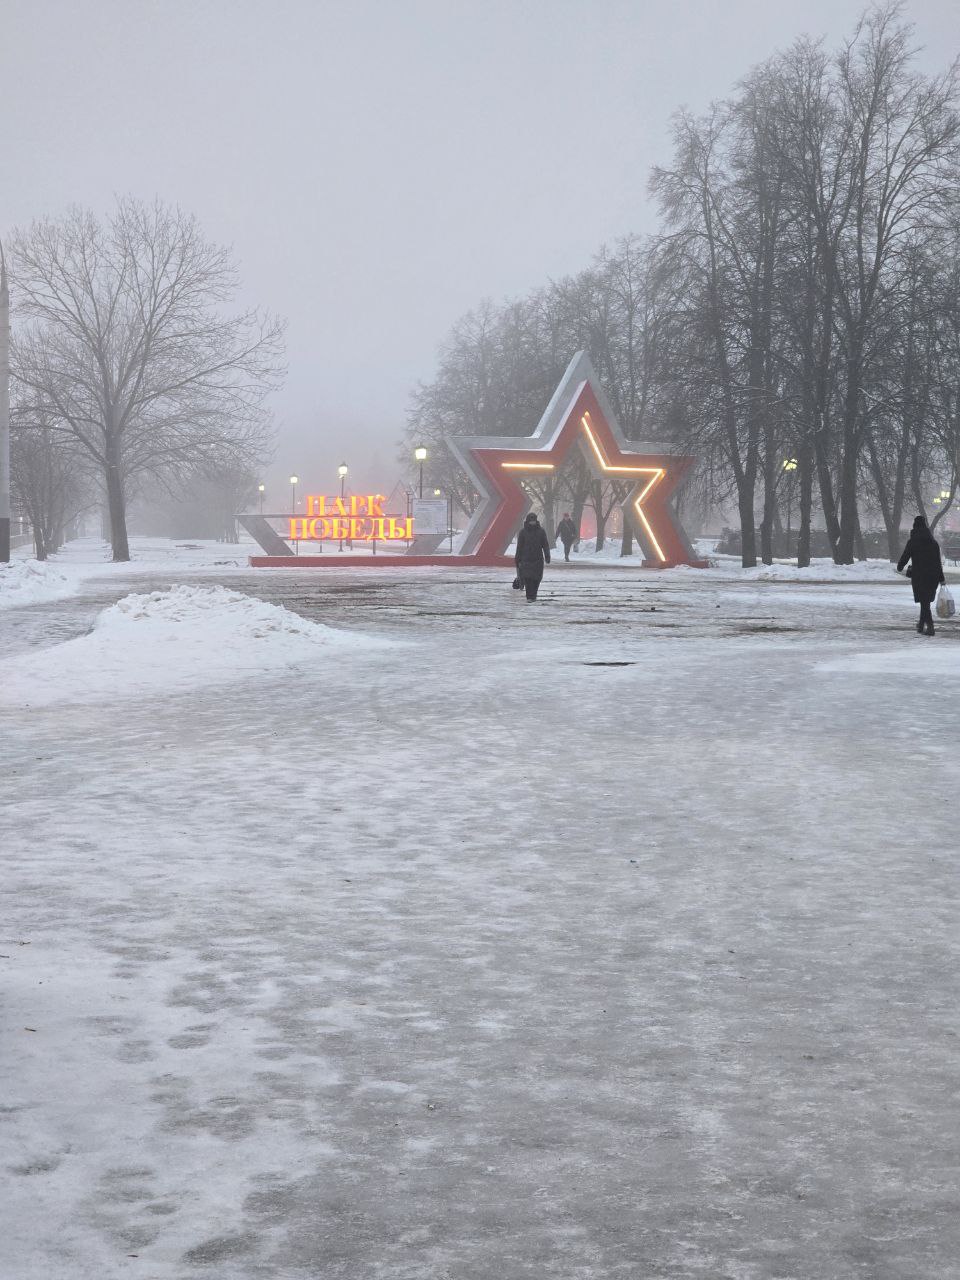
x=925 y=572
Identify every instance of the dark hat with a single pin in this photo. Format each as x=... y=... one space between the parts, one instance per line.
x=920 y=522
x=531 y=518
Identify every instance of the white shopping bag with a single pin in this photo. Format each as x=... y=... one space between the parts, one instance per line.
x=945 y=606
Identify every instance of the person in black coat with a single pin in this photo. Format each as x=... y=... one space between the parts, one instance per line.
x=567 y=533
x=533 y=552
x=925 y=572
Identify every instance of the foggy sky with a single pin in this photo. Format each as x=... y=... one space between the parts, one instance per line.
x=379 y=167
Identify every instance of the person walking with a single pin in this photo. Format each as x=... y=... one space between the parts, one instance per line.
x=567 y=534
x=533 y=552
x=925 y=572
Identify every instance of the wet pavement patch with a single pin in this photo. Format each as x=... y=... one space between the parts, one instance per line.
x=762 y=628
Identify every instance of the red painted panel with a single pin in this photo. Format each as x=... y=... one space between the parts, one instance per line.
x=336 y=561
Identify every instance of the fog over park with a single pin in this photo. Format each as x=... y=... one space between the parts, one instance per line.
x=379 y=168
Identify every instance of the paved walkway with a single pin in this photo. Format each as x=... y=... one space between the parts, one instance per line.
x=480 y=959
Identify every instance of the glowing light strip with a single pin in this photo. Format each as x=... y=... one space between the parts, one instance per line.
x=657 y=474
x=585 y=420
x=646 y=525
x=528 y=466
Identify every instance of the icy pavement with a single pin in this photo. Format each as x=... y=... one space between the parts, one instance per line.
x=477 y=958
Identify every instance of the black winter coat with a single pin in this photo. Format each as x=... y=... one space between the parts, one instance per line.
x=926 y=571
x=566 y=532
x=533 y=550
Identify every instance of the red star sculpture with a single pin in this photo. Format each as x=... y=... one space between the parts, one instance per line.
x=578 y=416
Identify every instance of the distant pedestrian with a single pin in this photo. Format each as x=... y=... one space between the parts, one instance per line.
x=533 y=551
x=925 y=572
x=567 y=533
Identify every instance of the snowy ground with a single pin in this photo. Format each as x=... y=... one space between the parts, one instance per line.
x=28 y=581
x=463 y=955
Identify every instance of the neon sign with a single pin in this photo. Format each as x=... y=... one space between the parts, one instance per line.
x=359 y=518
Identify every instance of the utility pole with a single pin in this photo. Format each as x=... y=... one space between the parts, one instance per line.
x=4 y=413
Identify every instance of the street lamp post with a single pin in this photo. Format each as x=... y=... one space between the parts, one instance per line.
x=294 y=481
x=342 y=473
x=420 y=453
x=438 y=493
x=261 y=489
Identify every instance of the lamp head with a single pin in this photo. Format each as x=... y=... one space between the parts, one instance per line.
x=294 y=479
x=342 y=470
x=262 y=488
x=420 y=453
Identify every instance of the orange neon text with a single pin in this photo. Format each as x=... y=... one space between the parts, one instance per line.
x=352 y=528
x=357 y=504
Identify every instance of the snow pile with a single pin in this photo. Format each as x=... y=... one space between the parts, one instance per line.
x=203 y=609
x=172 y=641
x=25 y=582
x=609 y=552
x=821 y=569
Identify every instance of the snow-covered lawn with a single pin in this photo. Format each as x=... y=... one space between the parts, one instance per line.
x=29 y=581
x=611 y=936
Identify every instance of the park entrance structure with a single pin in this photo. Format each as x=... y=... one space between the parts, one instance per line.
x=578 y=417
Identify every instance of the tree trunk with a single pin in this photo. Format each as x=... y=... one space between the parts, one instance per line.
x=601 y=520
x=769 y=506
x=850 y=452
x=549 y=510
x=890 y=501
x=748 y=529
x=577 y=517
x=578 y=482
x=861 y=545
x=806 y=506
x=916 y=480
x=626 y=541
x=849 y=519
x=827 y=502
x=118 y=514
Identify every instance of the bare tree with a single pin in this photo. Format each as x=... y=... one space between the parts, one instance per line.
x=50 y=479
x=794 y=325
x=127 y=349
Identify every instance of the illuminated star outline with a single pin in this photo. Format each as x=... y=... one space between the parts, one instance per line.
x=578 y=416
